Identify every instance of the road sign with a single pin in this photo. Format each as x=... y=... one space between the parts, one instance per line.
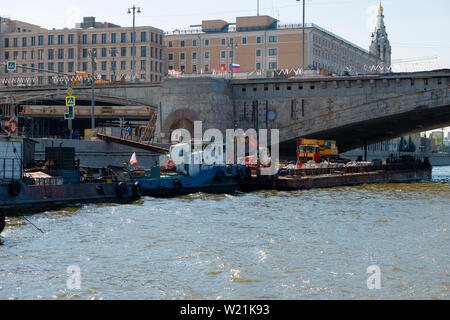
x=11 y=65
x=70 y=101
x=69 y=91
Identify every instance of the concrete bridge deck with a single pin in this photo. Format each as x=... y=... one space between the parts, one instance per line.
x=354 y=110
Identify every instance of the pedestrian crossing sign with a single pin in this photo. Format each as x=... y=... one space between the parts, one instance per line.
x=11 y=65
x=70 y=101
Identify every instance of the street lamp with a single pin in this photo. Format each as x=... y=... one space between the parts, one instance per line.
x=303 y=38
x=93 y=55
x=113 y=55
x=133 y=39
x=232 y=45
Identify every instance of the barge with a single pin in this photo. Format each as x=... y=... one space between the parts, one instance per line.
x=404 y=170
x=27 y=187
x=189 y=175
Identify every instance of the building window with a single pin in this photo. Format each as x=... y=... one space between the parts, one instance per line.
x=123 y=65
x=223 y=54
x=206 y=67
x=258 y=66
x=194 y=43
x=123 y=37
x=231 y=54
x=273 y=52
x=207 y=55
x=51 y=40
x=33 y=41
x=71 y=53
x=15 y=43
x=170 y=56
x=40 y=67
x=41 y=40
x=244 y=40
x=60 y=66
x=6 y=43
x=151 y=37
x=258 y=40
x=103 y=65
x=273 y=39
x=182 y=68
x=182 y=57
x=273 y=65
x=40 y=54
x=61 y=39
x=143 y=51
x=60 y=54
x=143 y=65
x=103 y=38
x=103 y=52
x=71 y=39
x=84 y=67
x=223 y=42
x=50 y=66
x=24 y=55
x=94 y=39
x=258 y=52
x=170 y=44
x=143 y=36
x=182 y=43
x=123 y=52
x=113 y=38
x=50 y=54
x=24 y=42
x=194 y=55
x=207 y=42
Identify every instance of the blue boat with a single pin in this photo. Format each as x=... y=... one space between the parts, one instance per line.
x=188 y=176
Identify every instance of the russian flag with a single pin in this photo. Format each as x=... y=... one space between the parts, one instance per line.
x=236 y=67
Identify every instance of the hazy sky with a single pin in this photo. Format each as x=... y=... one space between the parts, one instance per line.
x=416 y=28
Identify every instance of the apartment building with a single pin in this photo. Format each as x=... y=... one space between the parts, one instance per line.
x=68 y=50
x=261 y=43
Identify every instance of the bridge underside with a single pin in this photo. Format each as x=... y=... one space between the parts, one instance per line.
x=368 y=132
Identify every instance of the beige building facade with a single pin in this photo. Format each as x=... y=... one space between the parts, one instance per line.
x=261 y=43
x=67 y=51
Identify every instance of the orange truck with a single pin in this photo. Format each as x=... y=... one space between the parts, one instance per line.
x=316 y=150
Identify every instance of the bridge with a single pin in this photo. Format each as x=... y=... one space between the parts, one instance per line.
x=354 y=110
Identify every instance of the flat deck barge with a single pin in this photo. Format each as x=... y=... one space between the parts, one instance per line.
x=308 y=178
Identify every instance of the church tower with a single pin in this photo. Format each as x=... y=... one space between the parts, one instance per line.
x=380 y=46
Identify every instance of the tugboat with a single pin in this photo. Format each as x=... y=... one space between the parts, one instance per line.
x=27 y=187
x=190 y=175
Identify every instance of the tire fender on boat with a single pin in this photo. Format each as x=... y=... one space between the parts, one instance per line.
x=122 y=190
x=220 y=176
x=137 y=189
x=2 y=222
x=177 y=185
x=14 y=188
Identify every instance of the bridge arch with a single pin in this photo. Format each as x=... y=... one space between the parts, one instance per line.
x=180 y=119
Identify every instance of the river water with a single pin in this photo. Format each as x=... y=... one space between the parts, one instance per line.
x=315 y=244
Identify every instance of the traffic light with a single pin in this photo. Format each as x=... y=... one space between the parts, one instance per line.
x=70 y=113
